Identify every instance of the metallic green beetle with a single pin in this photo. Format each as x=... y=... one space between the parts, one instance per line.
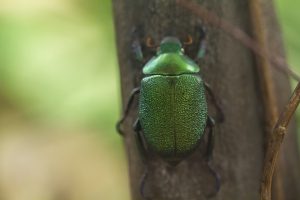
x=172 y=113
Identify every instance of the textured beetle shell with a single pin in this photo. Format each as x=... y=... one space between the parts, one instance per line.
x=173 y=114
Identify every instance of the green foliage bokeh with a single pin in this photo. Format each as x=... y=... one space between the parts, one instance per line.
x=58 y=62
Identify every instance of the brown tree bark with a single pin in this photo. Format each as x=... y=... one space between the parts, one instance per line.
x=230 y=69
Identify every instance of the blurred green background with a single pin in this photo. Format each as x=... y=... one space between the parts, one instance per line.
x=60 y=98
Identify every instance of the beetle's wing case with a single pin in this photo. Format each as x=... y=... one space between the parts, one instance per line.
x=173 y=113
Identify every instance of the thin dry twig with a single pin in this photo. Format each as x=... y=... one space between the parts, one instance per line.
x=212 y=19
x=274 y=145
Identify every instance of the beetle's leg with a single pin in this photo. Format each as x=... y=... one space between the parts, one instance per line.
x=202 y=45
x=209 y=153
x=142 y=47
x=134 y=92
x=143 y=151
x=220 y=117
x=136 y=46
x=140 y=139
x=210 y=146
x=143 y=182
x=137 y=50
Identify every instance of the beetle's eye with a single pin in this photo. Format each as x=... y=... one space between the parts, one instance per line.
x=150 y=42
x=188 y=41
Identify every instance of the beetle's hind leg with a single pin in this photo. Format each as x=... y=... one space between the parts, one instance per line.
x=143 y=182
x=143 y=151
x=134 y=92
x=209 y=154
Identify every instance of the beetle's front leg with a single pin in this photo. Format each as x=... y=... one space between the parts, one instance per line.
x=136 y=46
x=220 y=117
x=209 y=153
x=202 y=46
x=134 y=92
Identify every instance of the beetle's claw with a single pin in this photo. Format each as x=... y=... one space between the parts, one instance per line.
x=142 y=183
x=217 y=181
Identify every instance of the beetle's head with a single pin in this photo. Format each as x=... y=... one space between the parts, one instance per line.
x=170 y=45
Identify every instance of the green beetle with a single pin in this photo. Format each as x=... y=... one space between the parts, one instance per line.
x=172 y=104
x=172 y=112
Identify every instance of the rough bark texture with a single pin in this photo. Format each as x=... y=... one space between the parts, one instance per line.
x=229 y=68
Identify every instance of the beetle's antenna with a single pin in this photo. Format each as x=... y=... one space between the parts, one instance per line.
x=143 y=182
x=150 y=42
x=189 y=40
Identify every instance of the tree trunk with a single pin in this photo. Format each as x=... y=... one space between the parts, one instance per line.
x=230 y=69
